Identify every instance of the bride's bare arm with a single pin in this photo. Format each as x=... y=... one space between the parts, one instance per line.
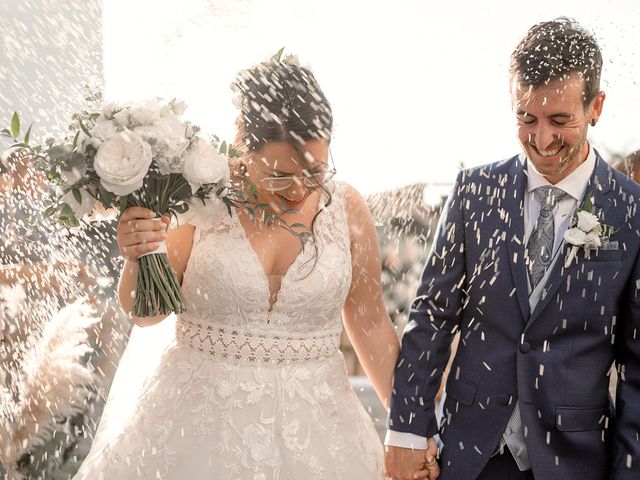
x=365 y=315
x=139 y=234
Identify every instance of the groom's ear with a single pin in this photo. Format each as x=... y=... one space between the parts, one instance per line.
x=595 y=109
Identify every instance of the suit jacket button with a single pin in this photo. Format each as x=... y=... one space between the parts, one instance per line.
x=525 y=347
x=503 y=399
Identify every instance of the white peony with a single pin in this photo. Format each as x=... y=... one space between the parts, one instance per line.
x=587 y=221
x=122 y=118
x=174 y=146
x=122 y=162
x=172 y=127
x=145 y=113
x=575 y=236
x=148 y=131
x=103 y=130
x=109 y=109
x=100 y=132
x=203 y=164
x=174 y=107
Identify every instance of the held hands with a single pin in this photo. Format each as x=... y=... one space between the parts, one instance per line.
x=409 y=464
x=138 y=233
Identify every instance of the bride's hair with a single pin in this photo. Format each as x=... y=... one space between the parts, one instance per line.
x=282 y=102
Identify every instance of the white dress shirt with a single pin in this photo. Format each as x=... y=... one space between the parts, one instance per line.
x=575 y=185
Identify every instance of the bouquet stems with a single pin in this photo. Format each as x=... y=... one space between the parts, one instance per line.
x=157 y=289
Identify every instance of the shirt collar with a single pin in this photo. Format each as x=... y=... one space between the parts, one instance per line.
x=575 y=184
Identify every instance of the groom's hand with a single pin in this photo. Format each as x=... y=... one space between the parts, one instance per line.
x=410 y=464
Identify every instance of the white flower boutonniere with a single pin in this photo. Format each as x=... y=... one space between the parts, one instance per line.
x=586 y=232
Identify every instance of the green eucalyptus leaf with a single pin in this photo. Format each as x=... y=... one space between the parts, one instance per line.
x=49 y=211
x=75 y=140
x=5 y=132
x=77 y=195
x=298 y=225
x=84 y=129
x=27 y=135
x=278 y=56
x=15 y=125
x=223 y=148
x=588 y=206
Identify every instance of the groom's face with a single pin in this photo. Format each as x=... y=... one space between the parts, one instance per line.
x=552 y=124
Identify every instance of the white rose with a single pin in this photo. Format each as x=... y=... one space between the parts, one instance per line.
x=82 y=209
x=592 y=240
x=103 y=130
x=203 y=164
x=122 y=162
x=171 y=127
x=170 y=143
x=148 y=131
x=179 y=107
x=122 y=118
x=587 y=221
x=145 y=113
x=174 y=146
x=109 y=109
x=574 y=236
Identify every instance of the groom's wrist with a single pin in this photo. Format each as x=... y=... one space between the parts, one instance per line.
x=405 y=440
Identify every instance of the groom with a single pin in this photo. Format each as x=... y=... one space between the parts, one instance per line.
x=541 y=318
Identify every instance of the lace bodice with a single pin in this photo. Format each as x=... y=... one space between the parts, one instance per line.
x=228 y=294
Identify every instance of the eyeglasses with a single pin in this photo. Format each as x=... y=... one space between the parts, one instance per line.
x=310 y=180
x=315 y=180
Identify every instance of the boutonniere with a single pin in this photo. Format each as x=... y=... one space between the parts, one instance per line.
x=586 y=232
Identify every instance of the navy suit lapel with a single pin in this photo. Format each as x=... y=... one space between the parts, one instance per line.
x=515 y=242
x=599 y=188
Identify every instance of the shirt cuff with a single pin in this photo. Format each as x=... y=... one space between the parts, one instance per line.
x=405 y=440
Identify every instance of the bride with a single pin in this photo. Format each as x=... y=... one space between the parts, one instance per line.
x=254 y=385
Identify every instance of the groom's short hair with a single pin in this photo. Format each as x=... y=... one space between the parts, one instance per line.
x=554 y=49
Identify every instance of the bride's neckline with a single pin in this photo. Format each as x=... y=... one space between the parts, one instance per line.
x=274 y=296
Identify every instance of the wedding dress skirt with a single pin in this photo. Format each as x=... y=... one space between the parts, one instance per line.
x=243 y=393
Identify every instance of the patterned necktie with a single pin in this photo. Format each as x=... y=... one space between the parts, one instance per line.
x=540 y=244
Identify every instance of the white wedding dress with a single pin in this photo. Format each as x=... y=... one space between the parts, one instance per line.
x=241 y=393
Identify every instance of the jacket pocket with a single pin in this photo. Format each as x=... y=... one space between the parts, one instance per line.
x=578 y=419
x=604 y=256
x=462 y=391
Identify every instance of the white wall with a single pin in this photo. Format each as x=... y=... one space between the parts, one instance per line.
x=48 y=50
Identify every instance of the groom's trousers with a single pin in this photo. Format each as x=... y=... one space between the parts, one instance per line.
x=502 y=466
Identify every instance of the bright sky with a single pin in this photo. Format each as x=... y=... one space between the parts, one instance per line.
x=416 y=87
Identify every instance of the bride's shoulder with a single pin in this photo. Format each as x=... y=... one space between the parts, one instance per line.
x=353 y=200
x=356 y=209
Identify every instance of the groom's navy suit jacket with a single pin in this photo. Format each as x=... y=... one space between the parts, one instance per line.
x=553 y=360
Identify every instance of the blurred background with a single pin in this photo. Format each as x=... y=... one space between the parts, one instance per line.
x=418 y=90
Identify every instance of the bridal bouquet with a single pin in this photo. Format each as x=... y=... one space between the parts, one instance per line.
x=139 y=154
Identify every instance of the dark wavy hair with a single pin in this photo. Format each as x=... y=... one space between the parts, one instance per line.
x=554 y=49
x=281 y=102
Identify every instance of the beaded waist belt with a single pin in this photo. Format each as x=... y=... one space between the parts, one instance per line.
x=244 y=347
